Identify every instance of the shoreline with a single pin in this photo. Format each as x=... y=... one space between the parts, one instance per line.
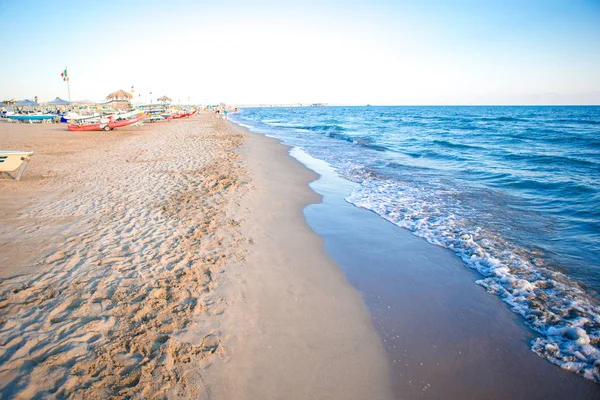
x=458 y=340
x=444 y=335
x=318 y=340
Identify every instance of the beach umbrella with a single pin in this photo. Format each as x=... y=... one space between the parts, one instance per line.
x=26 y=103
x=120 y=95
x=58 y=102
x=164 y=99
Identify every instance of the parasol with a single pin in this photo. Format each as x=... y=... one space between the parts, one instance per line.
x=58 y=102
x=26 y=103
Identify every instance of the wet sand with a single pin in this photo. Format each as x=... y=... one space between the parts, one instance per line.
x=172 y=260
x=445 y=337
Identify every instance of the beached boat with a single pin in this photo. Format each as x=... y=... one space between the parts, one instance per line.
x=88 y=127
x=175 y=116
x=126 y=122
x=112 y=123
x=75 y=118
x=181 y=115
x=154 y=118
x=153 y=110
x=31 y=117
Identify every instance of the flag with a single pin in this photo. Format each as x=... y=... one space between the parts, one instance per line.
x=64 y=75
x=132 y=90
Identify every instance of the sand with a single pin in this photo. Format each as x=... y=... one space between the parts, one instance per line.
x=303 y=332
x=172 y=260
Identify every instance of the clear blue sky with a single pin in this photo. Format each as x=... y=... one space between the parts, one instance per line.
x=339 y=52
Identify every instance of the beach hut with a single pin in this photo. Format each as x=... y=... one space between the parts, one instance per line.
x=120 y=99
x=120 y=95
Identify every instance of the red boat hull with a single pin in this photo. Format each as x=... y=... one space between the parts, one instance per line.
x=185 y=115
x=126 y=122
x=106 y=127
x=177 y=116
x=85 y=127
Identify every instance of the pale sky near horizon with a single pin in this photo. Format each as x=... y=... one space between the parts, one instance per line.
x=338 y=52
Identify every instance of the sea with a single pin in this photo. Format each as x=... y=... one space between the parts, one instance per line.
x=514 y=192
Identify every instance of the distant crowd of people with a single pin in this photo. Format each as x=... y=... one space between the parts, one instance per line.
x=224 y=110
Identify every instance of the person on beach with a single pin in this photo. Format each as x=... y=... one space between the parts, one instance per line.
x=225 y=113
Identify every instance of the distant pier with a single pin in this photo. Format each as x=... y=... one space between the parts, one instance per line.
x=284 y=105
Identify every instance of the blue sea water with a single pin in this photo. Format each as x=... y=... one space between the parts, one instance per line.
x=513 y=191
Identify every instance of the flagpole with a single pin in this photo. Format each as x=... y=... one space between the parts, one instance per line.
x=65 y=76
x=69 y=90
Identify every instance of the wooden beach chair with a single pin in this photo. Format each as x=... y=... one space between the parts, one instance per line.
x=12 y=161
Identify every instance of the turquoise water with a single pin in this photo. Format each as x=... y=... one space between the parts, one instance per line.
x=513 y=191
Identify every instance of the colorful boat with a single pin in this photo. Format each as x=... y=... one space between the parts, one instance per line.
x=32 y=117
x=154 y=118
x=75 y=118
x=106 y=125
x=126 y=122
x=174 y=116
x=182 y=115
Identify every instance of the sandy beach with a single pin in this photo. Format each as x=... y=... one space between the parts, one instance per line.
x=172 y=260
x=180 y=260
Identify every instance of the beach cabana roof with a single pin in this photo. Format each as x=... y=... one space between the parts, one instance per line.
x=120 y=95
x=26 y=103
x=58 y=102
x=165 y=99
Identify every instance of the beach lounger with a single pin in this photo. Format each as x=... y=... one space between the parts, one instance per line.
x=11 y=161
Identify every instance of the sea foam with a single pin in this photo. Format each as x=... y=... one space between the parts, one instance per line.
x=551 y=303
